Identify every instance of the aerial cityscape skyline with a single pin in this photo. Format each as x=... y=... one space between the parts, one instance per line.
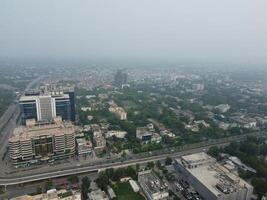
x=133 y=100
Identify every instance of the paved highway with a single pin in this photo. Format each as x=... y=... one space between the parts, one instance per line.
x=8 y=122
x=86 y=169
x=33 y=175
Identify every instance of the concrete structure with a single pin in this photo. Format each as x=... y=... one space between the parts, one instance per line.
x=134 y=186
x=118 y=134
x=198 y=87
x=44 y=107
x=84 y=147
x=42 y=142
x=111 y=193
x=245 y=121
x=241 y=165
x=52 y=194
x=119 y=111
x=223 y=108
x=98 y=195
x=152 y=186
x=210 y=179
x=147 y=134
x=98 y=139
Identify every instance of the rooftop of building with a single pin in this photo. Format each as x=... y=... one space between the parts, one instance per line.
x=57 y=128
x=197 y=158
x=84 y=142
x=52 y=194
x=217 y=178
x=153 y=183
x=36 y=96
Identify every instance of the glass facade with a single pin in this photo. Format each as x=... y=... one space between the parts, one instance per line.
x=63 y=108
x=43 y=146
x=29 y=110
x=72 y=105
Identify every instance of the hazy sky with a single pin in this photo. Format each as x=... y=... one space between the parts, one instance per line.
x=212 y=30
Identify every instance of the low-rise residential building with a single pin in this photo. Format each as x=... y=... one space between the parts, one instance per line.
x=198 y=87
x=52 y=194
x=152 y=186
x=119 y=111
x=261 y=120
x=118 y=134
x=95 y=128
x=84 y=147
x=202 y=122
x=42 y=142
x=99 y=142
x=167 y=133
x=210 y=179
x=223 y=108
x=192 y=127
x=143 y=134
x=147 y=134
x=223 y=125
x=86 y=109
x=245 y=121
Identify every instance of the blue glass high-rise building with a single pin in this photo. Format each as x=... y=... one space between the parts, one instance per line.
x=43 y=107
x=29 y=109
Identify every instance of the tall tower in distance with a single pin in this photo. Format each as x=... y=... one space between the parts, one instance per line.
x=120 y=78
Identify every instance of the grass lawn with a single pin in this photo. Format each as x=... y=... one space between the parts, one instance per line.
x=125 y=191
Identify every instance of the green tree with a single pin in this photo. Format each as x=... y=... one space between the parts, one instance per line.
x=214 y=151
x=103 y=181
x=168 y=161
x=73 y=179
x=49 y=185
x=260 y=186
x=137 y=167
x=150 y=165
x=86 y=182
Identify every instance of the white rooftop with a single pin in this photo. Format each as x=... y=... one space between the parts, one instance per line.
x=197 y=157
x=211 y=174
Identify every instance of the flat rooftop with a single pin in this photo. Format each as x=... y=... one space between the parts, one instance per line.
x=213 y=175
x=34 y=97
x=197 y=158
x=23 y=133
x=153 y=183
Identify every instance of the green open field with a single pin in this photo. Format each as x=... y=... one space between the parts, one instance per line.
x=125 y=191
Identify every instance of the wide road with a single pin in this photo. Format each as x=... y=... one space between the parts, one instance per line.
x=80 y=170
x=8 y=122
x=30 y=177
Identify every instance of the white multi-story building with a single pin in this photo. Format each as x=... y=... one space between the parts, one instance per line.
x=98 y=139
x=210 y=179
x=119 y=111
x=84 y=147
x=42 y=142
x=118 y=134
